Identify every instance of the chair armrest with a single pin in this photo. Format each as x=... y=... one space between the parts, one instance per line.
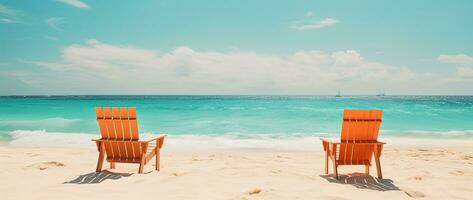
x=161 y=136
x=325 y=140
x=145 y=144
x=329 y=145
x=98 y=143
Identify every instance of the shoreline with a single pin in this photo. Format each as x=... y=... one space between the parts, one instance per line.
x=222 y=142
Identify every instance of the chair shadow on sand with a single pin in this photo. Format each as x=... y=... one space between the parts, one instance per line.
x=363 y=181
x=97 y=177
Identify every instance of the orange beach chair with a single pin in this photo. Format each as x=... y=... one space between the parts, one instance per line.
x=120 y=140
x=358 y=141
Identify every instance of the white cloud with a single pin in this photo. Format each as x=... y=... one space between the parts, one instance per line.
x=465 y=72
x=9 y=15
x=75 y=3
x=461 y=59
x=309 y=14
x=7 y=21
x=187 y=71
x=22 y=77
x=55 y=22
x=49 y=65
x=315 y=25
x=7 y=11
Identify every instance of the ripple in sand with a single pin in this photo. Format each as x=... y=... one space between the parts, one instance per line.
x=179 y=173
x=467 y=157
x=457 y=172
x=414 y=194
x=422 y=150
x=46 y=165
x=255 y=191
x=417 y=178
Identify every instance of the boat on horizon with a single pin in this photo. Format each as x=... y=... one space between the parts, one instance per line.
x=338 y=94
x=381 y=94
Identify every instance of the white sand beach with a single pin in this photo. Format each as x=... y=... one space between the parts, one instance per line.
x=412 y=168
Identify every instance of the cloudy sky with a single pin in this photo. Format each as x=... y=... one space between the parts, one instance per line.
x=418 y=47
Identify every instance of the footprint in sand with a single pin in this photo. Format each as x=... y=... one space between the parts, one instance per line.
x=414 y=194
x=179 y=173
x=467 y=157
x=417 y=178
x=255 y=191
x=195 y=158
x=46 y=165
x=422 y=150
x=285 y=157
x=457 y=172
x=447 y=152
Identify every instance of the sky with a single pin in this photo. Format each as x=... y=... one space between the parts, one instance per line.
x=306 y=47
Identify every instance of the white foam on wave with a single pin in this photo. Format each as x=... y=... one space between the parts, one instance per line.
x=432 y=134
x=42 y=138
x=451 y=133
x=203 y=142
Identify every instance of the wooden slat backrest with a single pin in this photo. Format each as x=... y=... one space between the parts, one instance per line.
x=361 y=125
x=101 y=123
x=125 y=124
x=133 y=123
x=118 y=126
x=117 y=123
x=122 y=150
x=358 y=126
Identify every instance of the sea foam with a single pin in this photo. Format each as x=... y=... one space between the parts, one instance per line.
x=295 y=142
x=42 y=138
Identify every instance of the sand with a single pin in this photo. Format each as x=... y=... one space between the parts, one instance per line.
x=426 y=169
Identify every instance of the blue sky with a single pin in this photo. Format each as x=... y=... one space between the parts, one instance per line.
x=235 y=47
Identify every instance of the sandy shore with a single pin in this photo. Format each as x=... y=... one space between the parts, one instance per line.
x=429 y=169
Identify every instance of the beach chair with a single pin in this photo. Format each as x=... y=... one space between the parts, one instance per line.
x=120 y=139
x=358 y=141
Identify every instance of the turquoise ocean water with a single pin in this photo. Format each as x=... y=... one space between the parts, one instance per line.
x=239 y=116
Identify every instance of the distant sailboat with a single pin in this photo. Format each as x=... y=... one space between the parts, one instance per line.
x=381 y=94
x=338 y=94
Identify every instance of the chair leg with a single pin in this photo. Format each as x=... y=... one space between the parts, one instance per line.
x=158 y=159
x=326 y=162
x=335 y=171
x=378 y=162
x=112 y=165
x=144 y=147
x=367 y=170
x=100 y=160
x=142 y=164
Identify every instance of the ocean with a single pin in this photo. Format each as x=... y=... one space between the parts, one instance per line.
x=47 y=119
